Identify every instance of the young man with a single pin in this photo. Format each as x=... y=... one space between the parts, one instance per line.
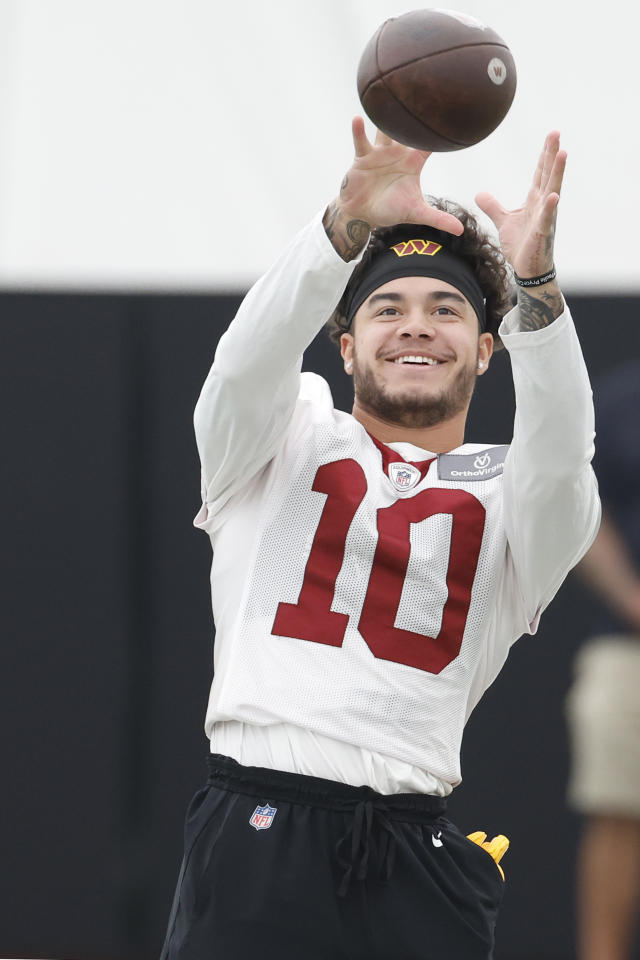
x=370 y=571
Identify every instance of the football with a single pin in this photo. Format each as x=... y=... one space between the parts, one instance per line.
x=436 y=80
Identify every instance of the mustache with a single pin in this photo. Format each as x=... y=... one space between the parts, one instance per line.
x=415 y=348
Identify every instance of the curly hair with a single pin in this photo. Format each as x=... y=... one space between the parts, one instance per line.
x=474 y=246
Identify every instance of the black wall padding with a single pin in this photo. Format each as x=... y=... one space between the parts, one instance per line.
x=107 y=633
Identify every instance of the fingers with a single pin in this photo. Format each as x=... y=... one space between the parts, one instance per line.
x=557 y=172
x=360 y=140
x=432 y=217
x=548 y=213
x=382 y=139
x=549 y=152
x=447 y=222
x=551 y=165
x=545 y=160
x=537 y=176
x=389 y=179
x=494 y=210
x=363 y=146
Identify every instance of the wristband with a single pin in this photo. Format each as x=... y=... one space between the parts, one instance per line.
x=535 y=281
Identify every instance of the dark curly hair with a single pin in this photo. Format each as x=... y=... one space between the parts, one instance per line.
x=474 y=246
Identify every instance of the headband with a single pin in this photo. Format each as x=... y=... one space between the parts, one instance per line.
x=414 y=250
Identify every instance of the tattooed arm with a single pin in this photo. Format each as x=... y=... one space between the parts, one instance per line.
x=551 y=507
x=348 y=234
x=539 y=306
x=527 y=236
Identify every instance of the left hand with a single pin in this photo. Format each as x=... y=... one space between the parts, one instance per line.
x=382 y=187
x=527 y=233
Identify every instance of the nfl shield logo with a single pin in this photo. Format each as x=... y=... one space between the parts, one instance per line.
x=262 y=817
x=403 y=475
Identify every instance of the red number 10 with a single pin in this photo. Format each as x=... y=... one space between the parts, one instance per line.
x=311 y=618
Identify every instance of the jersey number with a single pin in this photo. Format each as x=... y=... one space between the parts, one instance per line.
x=312 y=618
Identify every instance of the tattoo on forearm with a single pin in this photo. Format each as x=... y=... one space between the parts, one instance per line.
x=538 y=312
x=330 y=218
x=348 y=238
x=358 y=232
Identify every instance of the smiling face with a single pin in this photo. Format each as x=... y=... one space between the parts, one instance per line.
x=415 y=351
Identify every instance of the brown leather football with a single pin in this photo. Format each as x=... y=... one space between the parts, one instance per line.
x=437 y=80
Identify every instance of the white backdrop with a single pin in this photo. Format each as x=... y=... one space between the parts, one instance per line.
x=177 y=144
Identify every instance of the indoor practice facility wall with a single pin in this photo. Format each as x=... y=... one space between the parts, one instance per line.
x=107 y=631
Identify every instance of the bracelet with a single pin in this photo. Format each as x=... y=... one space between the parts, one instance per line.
x=535 y=281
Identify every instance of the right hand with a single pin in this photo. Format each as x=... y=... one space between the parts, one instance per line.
x=382 y=187
x=527 y=233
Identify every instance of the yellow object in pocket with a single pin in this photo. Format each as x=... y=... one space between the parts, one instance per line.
x=496 y=848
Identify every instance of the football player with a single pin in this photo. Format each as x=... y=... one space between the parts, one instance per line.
x=371 y=570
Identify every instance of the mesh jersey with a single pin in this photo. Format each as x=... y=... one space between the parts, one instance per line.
x=366 y=606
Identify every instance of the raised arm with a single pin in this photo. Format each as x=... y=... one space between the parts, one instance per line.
x=527 y=237
x=551 y=502
x=249 y=398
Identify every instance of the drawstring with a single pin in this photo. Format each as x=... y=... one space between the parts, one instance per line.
x=373 y=829
x=365 y=815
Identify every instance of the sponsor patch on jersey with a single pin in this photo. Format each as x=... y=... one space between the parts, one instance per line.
x=483 y=465
x=262 y=817
x=403 y=476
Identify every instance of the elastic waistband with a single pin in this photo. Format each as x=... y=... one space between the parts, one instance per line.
x=316 y=791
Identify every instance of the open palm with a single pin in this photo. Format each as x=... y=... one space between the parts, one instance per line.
x=383 y=188
x=527 y=233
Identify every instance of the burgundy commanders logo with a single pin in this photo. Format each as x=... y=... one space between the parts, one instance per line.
x=426 y=248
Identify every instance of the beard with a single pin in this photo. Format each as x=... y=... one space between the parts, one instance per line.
x=411 y=408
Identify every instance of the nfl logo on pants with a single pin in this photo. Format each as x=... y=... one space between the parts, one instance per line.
x=262 y=817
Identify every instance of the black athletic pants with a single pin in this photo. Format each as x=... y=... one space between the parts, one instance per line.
x=279 y=866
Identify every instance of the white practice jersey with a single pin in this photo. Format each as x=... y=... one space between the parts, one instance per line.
x=366 y=595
